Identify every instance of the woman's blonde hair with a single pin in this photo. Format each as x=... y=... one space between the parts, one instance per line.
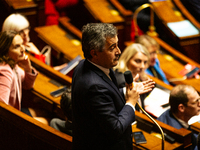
x=128 y=53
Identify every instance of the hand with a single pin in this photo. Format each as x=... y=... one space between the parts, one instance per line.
x=145 y=86
x=32 y=48
x=25 y=64
x=132 y=95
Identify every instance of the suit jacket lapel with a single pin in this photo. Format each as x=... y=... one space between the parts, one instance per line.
x=106 y=78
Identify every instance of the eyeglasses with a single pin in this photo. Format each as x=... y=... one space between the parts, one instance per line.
x=196 y=102
x=25 y=30
x=154 y=53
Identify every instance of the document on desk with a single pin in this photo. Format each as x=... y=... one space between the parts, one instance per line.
x=183 y=28
x=157 y=102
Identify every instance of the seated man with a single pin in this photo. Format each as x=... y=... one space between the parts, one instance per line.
x=64 y=126
x=184 y=103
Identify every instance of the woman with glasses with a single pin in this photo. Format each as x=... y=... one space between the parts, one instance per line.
x=19 y=23
x=154 y=64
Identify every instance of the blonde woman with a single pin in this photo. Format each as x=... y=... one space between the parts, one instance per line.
x=135 y=58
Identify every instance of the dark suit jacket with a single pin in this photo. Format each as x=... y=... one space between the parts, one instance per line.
x=101 y=120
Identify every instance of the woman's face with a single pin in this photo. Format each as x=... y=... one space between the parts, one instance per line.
x=17 y=49
x=138 y=63
x=153 y=55
x=24 y=33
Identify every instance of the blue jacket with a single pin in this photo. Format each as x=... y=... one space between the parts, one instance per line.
x=159 y=70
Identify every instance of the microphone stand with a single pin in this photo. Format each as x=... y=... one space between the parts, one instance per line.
x=162 y=133
x=129 y=80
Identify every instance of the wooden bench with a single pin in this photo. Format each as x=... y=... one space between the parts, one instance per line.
x=20 y=131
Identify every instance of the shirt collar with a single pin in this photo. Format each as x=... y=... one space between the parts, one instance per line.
x=105 y=70
x=183 y=123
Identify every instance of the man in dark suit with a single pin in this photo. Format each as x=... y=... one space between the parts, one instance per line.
x=185 y=103
x=102 y=116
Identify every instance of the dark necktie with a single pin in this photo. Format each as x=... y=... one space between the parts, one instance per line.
x=113 y=78
x=155 y=73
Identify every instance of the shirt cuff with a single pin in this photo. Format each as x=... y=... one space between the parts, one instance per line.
x=130 y=105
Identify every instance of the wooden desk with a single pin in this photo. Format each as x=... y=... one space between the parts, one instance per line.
x=174 y=62
x=60 y=40
x=186 y=13
x=127 y=15
x=153 y=142
x=103 y=11
x=180 y=135
x=43 y=87
x=188 y=45
x=196 y=127
x=48 y=70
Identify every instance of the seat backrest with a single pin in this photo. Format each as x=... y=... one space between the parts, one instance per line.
x=20 y=131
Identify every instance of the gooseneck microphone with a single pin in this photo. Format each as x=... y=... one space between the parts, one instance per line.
x=129 y=80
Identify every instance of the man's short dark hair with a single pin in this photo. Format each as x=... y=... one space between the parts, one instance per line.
x=178 y=96
x=94 y=37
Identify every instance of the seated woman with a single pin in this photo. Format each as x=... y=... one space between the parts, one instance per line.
x=16 y=71
x=135 y=58
x=154 y=65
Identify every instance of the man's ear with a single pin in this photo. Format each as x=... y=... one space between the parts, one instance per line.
x=93 y=53
x=181 y=108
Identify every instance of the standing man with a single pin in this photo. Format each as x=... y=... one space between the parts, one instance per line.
x=184 y=103
x=102 y=117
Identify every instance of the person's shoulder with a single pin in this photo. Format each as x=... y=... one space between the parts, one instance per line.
x=164 y=115
x=6 y=70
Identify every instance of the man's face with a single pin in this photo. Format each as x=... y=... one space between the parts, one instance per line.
x=193 y=104
x=109 y=57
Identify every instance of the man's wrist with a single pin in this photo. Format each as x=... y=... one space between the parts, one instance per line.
x=130 y=105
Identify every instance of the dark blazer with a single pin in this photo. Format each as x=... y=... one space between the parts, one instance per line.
x=168 y=118
x=101 y=120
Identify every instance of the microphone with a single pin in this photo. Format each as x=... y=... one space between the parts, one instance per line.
x=129 y=78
